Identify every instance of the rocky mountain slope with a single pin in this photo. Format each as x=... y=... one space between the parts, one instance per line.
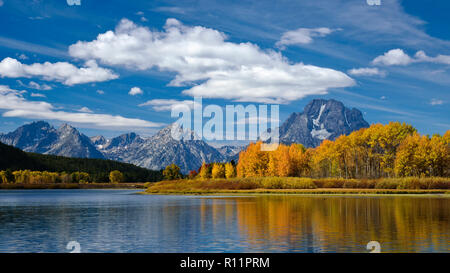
x=161 y=150
x=41 y=137
x=321 y=119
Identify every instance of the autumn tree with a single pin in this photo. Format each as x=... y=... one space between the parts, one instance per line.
x=218 y=170
x=116 y=177
x=230 y=170
x=205 y=171
x=172 y=172
x=374 y=152
x=253 y=162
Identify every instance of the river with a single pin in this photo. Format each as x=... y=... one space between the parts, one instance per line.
x=122 y=221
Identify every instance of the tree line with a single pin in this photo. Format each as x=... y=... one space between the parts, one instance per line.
x=392 y=150
x=14 y=159
x=45 y=177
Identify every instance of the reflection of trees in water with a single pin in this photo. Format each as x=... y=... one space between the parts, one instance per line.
x=341 y=223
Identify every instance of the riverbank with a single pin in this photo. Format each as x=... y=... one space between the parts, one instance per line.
x=72 y=186
x=295 y=185
x=325 y=191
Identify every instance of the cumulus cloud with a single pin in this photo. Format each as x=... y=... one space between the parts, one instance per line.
x=17 y=106
x=420 y=56
x=210 y=66
x=367 y=71
x=85 y=110
x=135 y=91
x=436 y=102
x=301 y=36
x=393 y=57
x=167 y=104
x=399 y=57
x=63 y=72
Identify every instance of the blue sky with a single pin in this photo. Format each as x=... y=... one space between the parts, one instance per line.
x=110 y=67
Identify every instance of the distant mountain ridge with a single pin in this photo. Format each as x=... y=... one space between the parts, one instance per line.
x=321 y=119
x=161 y=150
x=41 y=137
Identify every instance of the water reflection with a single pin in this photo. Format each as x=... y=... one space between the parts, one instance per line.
x=343 y=224
x=119 y=221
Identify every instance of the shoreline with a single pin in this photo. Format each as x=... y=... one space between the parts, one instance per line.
x=321 y=191
x=69 y=186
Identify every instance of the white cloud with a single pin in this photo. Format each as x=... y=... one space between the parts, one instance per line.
x=383 y=98
x=135 y=91
x=393 y=57
x=366 y=71
x=35 y=85
x=168 y=104
x=22 y=57
x=38 y=95
x=420 y=56
x=17 y=106
x=63 y=72
x=85 y=110
x=301 y=36
x=143 y=19
x=101 y=92
x=399 y=57
x=219 y=69
x=436 y=102
x=1 y=3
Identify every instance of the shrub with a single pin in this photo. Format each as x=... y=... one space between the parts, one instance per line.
x=114 y=177
x=172 y=172
x=409 y=183
x=386 y=184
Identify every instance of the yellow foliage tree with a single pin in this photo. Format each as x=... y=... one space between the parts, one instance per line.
x=230 y=170
x=205 y=171
x=116 y=177
x=374 y=152
x=218 y=170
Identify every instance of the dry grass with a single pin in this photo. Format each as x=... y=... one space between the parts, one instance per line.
x=303 y=185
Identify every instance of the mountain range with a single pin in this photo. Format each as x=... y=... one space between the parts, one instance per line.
x=321 y=119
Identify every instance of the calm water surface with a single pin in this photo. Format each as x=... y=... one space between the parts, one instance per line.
x=121 y=221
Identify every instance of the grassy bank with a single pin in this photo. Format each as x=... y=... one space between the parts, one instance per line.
x=410 y=185
x=72 y=186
